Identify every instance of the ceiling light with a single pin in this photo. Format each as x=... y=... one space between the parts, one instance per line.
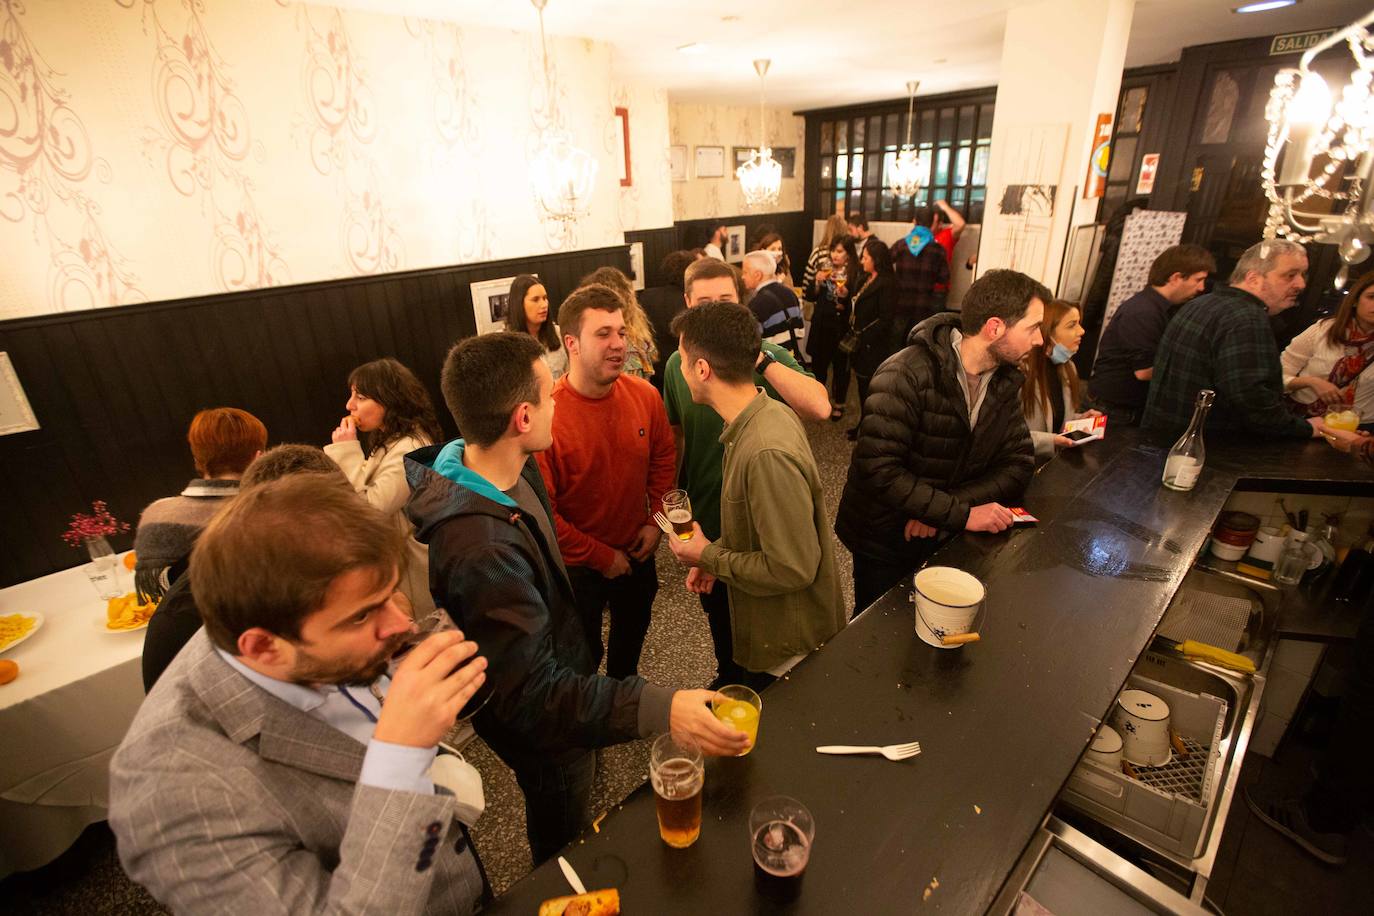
x=1264 y=6
x=909 y=170
x=563 y=175
x=760 y=178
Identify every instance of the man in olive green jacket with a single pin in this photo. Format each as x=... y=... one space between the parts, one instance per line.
x=775 y=550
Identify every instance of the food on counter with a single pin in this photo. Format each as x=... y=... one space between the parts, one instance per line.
x=8 y=670
x=592 y=903
x=125 y=613
x=14 y=627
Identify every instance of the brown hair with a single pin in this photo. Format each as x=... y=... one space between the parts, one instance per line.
x=724 y=334
x=638 y=328
x=224 y=440
x=710 y=269
x=517 y=320
x=584 y=298
x=835 y=227
x=674 y=266
x=409 y=411
x=1002 y=293
x=289 y=458
x=1339 y=333
x=268 y=558
x=1180 y=259
x=485 y=378
x=1043 y=378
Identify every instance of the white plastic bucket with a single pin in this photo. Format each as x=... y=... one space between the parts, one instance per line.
x=947 y=603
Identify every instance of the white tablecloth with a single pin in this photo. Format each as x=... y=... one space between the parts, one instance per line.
x=61 y=720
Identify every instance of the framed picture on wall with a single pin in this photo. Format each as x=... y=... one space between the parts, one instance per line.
x=742 y=154
x=622 y=128
x=786 y=157
x=16 y=416
x=677 y=163
x=734 y=244
x=490 y=302
x=710 y=162
x=637 y=264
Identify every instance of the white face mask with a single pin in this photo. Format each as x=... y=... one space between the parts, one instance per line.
x=462 y=779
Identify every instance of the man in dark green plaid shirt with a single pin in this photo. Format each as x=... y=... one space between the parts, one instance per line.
x=1223 y=341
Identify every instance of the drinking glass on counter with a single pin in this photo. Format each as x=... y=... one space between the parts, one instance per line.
x=678 y=772
x=781 y=831
x=677 y=508
x=739 y=707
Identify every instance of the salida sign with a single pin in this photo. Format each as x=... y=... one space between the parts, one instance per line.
x=1297 y=42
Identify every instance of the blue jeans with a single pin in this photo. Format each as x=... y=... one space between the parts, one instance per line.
x=558 y=800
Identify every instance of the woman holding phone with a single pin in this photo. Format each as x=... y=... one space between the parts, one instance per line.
x=1052 y=393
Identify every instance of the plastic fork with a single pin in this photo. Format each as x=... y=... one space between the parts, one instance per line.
x=662 y=521
x=891 y=751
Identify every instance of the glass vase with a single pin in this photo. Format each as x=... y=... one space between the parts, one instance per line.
x=103 y=570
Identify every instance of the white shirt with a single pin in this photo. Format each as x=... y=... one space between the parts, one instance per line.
x=1310 y=353
x=713 y=251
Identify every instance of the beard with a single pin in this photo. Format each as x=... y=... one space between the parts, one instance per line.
x=312 y=669
x=1002 y=349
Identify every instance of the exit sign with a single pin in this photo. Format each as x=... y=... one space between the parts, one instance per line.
x=1297 y=42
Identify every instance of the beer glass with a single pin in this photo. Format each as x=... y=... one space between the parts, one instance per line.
x=739 y=707
x=677 y=508
x=780 y=833
x=438 y=621
x=677 y=772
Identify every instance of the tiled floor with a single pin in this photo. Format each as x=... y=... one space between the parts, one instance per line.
x=1257 y=872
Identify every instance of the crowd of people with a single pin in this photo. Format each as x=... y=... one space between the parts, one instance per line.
x=289 y=752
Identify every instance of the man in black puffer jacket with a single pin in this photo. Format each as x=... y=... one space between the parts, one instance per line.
x=943 y=442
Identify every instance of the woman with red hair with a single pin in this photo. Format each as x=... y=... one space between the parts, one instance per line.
x=224 y=441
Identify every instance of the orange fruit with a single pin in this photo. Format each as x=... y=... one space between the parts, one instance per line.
x=8 y=670
x=130 y=559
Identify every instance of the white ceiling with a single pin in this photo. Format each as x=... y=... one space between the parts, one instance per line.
x=844 y=51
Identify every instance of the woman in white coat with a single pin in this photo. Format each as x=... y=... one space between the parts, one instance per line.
x=389 y=415
x=1330 y=366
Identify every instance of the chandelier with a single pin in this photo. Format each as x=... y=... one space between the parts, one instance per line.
x=1302 y=117
x=761 y=177
x=562 y=174
x=908 y=171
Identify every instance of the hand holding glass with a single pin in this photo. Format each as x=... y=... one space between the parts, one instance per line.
x=677 y=508
x=739 y=707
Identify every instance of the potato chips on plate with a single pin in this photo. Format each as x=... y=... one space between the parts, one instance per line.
x=15 y=628
x=125 y=614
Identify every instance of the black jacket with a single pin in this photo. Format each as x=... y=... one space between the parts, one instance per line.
x=875 y=319
x=491 y=569
x=915 y=457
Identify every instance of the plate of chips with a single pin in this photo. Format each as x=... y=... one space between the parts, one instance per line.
x=15 y=628
x=125 y=615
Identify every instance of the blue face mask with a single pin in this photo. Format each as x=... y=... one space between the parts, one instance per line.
x=1060 y=354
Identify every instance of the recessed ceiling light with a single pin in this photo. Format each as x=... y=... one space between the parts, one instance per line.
x=1264 y=6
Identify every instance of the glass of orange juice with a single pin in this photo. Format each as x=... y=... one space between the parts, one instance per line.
x=1347 y=419
x=739 y=707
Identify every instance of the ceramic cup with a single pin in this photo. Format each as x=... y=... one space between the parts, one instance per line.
x=1105 y=749
x=1223 y=551
x=1265 y=551
x=947 y=602
x=1142 y=720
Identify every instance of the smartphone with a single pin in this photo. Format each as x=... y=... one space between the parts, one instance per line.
x=1077 y=435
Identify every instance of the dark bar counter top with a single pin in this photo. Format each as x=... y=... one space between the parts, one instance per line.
x=1072 y=603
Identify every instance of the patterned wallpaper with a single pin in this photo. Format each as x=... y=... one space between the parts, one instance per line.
x=730 y=126
x=153 y=149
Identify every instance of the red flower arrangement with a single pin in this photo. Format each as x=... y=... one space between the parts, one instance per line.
x=100 y=523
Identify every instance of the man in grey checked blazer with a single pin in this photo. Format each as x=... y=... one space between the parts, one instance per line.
x=243 y=784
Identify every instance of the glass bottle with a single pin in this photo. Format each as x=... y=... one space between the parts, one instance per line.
x=1184 y=464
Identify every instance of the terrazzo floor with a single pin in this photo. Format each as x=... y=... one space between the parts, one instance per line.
x=677 y=653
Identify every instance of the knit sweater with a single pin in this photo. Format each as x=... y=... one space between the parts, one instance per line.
x=611 y=461
x=168 y=528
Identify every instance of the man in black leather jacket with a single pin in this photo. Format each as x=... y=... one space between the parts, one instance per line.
x=943 y=442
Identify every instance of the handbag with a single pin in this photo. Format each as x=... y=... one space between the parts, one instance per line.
x=849 y=344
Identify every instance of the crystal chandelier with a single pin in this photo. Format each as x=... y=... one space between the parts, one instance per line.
x=909 y=169
x=1302 y=117
x=562 y=174
x=761 y=177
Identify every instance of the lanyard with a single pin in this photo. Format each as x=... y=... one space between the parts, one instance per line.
x=361 y=708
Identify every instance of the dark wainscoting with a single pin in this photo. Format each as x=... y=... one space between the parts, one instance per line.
x=115 y=389
x=794 y=227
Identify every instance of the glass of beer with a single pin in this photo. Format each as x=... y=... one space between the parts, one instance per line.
x=677 y=508
x=677 y=772
x=780 y=832
x=739 y=707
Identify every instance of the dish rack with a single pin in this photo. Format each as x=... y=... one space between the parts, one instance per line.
x=1167 y=805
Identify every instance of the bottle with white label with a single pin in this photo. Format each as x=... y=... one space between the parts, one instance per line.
x=1184 y=464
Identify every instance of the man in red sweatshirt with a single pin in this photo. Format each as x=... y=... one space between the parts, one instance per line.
x=611 y=461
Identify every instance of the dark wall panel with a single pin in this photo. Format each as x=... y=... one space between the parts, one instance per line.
x=114 y=389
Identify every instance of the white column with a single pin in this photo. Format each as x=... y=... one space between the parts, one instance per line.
x=1061 y=67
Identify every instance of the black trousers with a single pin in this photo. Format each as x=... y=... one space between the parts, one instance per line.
x=873 y=577
x=716 y=604
x=824 y=350
x=631 y=600
x=558 y=799
x=1341 y=795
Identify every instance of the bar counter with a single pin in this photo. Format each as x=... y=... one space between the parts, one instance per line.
x=1072 y=603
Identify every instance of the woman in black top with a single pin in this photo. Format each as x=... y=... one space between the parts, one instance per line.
x=832 y=290
x=875 y=318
